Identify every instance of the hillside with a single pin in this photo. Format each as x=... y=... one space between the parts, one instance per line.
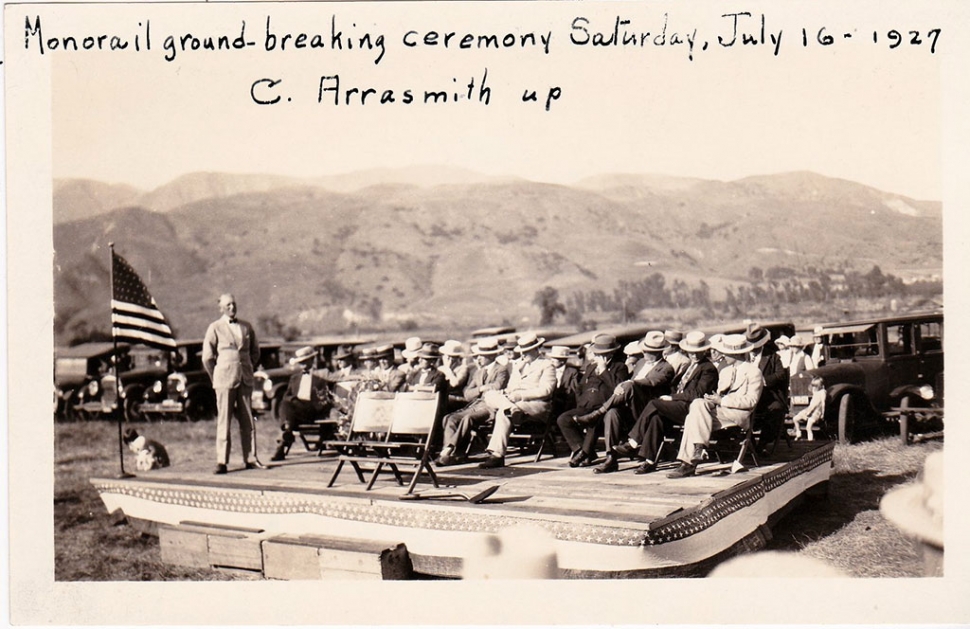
x=463 y=249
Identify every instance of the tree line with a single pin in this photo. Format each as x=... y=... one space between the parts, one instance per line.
x=775 y=285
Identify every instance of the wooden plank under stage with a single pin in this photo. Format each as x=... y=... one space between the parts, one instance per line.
x=604 y=526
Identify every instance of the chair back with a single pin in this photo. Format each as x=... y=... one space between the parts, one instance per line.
x=414 y=413
x=373 y=412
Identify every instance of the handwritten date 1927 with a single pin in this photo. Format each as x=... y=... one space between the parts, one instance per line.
x=913 y=38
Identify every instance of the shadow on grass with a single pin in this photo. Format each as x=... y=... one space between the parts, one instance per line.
x=819 y=516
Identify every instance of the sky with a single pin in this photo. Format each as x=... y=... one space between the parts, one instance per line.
x=853 y=110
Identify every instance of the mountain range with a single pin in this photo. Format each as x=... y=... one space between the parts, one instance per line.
x=445 y=246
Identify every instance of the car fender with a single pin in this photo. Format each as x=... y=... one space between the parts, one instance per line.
x=835 y=393
x=278 y=390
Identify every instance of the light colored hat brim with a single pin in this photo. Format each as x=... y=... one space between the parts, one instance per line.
x=691 y=349
x=528 y=348
x=298 y=361
x=649 y=348
x=730 y=351
x=905 y=508
x=477 y=351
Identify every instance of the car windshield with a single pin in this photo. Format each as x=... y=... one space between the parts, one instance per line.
x=143 y=358
x=853 y=344
x=269 y=358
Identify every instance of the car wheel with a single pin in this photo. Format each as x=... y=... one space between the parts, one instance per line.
x=847 y=419
x=133 y=401
x=198 y=409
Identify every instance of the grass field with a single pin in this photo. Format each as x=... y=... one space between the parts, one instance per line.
x=845 y=528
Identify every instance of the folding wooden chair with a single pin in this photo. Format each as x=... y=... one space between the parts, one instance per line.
x=736 y=442
x=408 y=444
x=370 y=426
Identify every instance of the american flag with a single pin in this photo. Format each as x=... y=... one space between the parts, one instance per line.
x=134 y=315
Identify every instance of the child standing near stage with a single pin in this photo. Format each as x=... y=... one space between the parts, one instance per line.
x=814 y=412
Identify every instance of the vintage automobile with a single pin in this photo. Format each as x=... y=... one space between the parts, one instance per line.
x=79 y=373
x=184 y=391
x=873 y=368
x=85 y=380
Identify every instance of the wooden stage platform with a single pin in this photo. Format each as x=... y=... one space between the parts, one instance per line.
x=284 y=522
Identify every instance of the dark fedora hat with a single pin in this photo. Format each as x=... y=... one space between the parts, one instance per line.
x=604 y=344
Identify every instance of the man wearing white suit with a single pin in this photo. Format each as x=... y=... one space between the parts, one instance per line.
x=229 y=352
x=738 y=390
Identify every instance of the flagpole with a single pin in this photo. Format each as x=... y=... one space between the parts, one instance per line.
x=114 y=345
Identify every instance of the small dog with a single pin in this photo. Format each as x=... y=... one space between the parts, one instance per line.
x=150 y=455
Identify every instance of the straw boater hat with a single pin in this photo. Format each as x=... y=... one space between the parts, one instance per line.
x=757 y=335
x=429 y=351
x=733 y=344
x=384 y=351
x=653 y=341
x=303 y=355
x=487 y=347
x=528 y=342
x=343 y=352
x=604 y=344
x=695 y=342
x=453 y=348
x=368 y=353
x=797 y=341
x=558 y=351
x=632 y=348
x=673 y=337
x=411 y=347
x=917 y=508
x=782 y=341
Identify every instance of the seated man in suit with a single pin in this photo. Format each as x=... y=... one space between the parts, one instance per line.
x=677 y=359
x=666 y=411
x=579 y=425
x=386 y=373
x=489 y=376
x=425 y=375
x=456 y=373
x=651 y=377
x=567 y=380
x=532 y=380
x=307 y=398
x=769 y=415
x=739 y=389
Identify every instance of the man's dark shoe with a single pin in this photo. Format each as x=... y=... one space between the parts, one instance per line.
x=492 y=462
x=220 y=469
x=577 y=458
x=608 y=466
x=279 y=455
x=589 y=461
x=255 y=465
x=685 y=470
x=445 y=460
x=624 y=450
x=646 y=467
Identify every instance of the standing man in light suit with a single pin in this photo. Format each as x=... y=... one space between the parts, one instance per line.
x=229 y=353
